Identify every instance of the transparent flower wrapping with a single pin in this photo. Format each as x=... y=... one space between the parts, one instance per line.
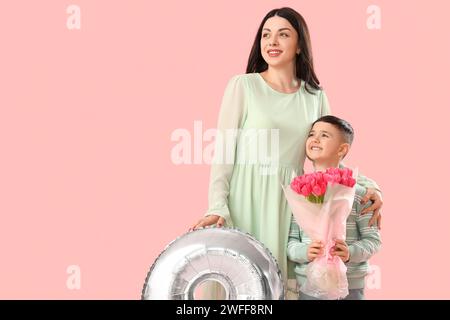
x=326 y=275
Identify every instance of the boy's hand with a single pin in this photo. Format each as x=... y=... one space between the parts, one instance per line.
x=315 y=249
x=340 y=249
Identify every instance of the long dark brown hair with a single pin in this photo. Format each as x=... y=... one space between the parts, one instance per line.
x=304 y=60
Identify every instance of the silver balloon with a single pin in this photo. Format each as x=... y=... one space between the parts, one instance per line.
x=240 y=263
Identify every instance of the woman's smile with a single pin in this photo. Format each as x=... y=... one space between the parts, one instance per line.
x=274 y=53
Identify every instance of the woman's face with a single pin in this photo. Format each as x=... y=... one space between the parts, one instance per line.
x=279 y=35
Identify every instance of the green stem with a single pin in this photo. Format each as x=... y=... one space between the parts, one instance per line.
x=315 y=199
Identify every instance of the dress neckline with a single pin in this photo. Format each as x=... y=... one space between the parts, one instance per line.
x=279 y=92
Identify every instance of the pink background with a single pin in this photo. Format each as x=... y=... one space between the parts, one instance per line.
x=86 y=117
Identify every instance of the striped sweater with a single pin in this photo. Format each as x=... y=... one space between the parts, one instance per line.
x=363 y=241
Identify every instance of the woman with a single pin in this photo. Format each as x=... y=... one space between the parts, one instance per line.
x=272 y=105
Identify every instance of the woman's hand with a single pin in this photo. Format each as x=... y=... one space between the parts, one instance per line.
x=315 y=249
x=375 y=196
x=209 y=220
x=340 y=250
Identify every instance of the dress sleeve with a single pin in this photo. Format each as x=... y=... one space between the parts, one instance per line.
x=363 y=181
x=367 y=182
x=324 y=104
x=231 y=117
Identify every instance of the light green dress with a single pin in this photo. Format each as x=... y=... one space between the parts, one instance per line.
x=260 y=144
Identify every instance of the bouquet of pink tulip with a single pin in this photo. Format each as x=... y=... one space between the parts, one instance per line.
x=321 y=203
x=314 y=185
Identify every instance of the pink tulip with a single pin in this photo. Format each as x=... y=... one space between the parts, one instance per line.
x=323 y=187
x=306 y=190
x=317 y=190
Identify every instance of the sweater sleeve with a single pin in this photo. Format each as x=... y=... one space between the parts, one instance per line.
x=231 y=117
x=296 y=250
x=370 y=239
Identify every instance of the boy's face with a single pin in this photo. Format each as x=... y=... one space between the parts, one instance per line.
x=325 y=143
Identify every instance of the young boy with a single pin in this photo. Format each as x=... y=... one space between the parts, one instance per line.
x=327 y=144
